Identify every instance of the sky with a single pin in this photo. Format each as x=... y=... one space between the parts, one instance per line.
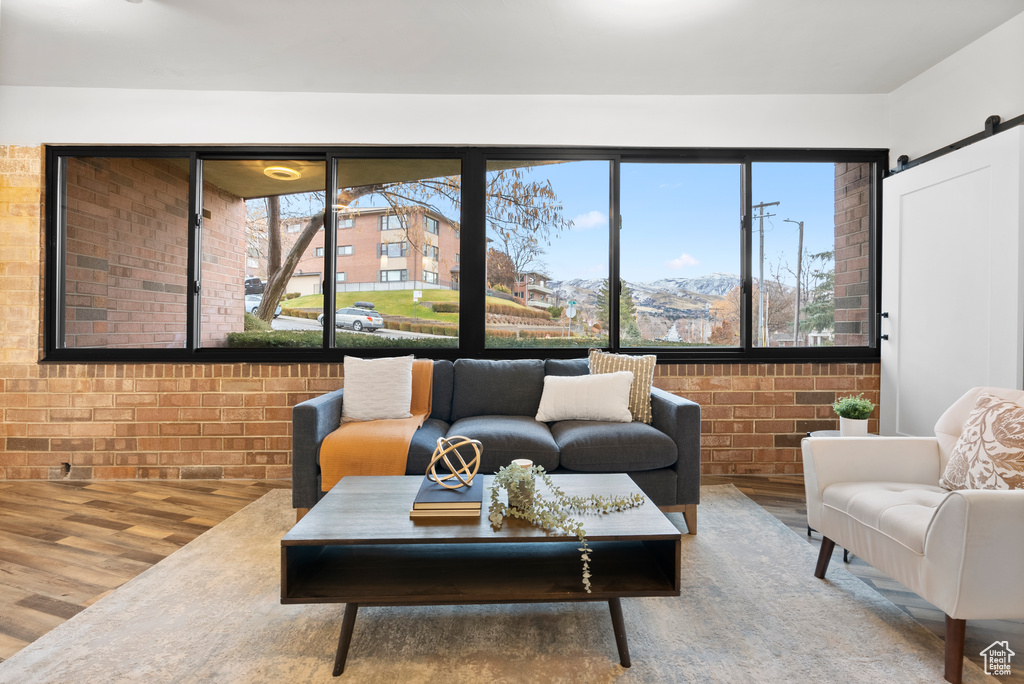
x=683 y=220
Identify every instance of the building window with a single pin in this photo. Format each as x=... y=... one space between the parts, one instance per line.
x=430 y=277
x=339 y=277
x=319 y=251
x=390 y=222
x=430 y=225
x=394 y=275
x=346 y=222
x=293 y=228
x=430 y=251
x=456 y=257
x=392 y=249
x=345 y=250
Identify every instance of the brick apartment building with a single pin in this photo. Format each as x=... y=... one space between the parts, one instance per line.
x=377 y=249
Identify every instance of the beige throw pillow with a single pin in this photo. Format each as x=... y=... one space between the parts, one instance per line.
x=377 y=388
x=586 y=397
x=990 y=451
x=642 y=368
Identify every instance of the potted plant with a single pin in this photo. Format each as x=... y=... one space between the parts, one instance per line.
x=853 y=415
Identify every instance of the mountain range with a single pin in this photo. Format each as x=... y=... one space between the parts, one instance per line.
x=668 y=297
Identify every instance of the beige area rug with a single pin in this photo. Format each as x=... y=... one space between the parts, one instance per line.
x=750 y=611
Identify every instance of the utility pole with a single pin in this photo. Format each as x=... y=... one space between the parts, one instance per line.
x=762 y=298
x=799 y=263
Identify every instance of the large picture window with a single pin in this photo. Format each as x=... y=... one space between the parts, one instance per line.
x=694 y=255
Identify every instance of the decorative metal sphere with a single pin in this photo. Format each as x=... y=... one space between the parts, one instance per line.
x=465 y=473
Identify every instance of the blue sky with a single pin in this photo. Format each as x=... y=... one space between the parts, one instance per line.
x=683 y=220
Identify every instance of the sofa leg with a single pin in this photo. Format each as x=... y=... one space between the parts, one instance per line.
x=955 y=632
x=824 y=556
x=690 y=516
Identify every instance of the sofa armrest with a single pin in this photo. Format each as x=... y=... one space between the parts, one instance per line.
x=829 y=460
x=679 y=418
x=974 y=555
x=312 y=421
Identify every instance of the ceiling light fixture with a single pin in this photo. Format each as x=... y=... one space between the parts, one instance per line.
x=282 y=173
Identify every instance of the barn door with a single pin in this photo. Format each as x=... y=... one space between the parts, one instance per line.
x=951 y=281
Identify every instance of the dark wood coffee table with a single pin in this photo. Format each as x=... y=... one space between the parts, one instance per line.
x=358 y=546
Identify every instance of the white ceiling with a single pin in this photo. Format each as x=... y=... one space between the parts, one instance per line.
x=629 y=47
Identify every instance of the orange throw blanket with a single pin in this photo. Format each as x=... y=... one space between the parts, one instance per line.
x=377 y=447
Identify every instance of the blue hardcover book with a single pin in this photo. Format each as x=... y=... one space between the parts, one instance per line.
x=433 y=496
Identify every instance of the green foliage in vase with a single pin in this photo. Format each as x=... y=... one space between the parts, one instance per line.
x=553 y=514
x=856 y=408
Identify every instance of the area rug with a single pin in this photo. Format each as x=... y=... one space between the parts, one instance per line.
x=750 y=611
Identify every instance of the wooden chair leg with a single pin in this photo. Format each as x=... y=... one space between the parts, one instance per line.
x=956 y=630
x=690 y=516
x=824 y=556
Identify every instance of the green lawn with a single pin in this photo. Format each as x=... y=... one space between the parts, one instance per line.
x=395 y=303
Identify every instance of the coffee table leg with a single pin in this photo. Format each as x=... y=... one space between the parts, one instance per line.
x=347 y=623
x=620 y=631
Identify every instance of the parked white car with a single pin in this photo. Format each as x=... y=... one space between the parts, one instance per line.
x=252 y=304
x=356 y=317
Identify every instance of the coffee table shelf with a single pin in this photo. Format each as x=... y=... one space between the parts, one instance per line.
x=358 y=546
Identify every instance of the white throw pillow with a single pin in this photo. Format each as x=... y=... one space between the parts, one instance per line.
x=586 y=397
x=377 y=388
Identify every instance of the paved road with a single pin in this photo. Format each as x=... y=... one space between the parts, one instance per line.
x=294 y=323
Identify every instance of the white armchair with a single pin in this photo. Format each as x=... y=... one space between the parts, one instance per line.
x=880 y=498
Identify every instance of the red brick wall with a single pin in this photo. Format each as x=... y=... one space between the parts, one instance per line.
x=234 y=420
x=223 y=267
x=853 y=227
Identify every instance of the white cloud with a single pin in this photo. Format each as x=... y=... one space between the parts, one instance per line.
x=590 y=220
x=682 y=261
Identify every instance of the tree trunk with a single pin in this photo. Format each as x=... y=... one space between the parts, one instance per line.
x=273 y=235
x=277 y=281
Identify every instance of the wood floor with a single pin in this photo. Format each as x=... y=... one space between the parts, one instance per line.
x=66 y=544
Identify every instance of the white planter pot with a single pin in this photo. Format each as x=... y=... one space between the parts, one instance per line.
x=848 y=427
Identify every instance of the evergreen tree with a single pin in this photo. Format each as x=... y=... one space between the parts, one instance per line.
x=628 y=329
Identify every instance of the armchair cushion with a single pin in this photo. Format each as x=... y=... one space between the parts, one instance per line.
x=898 y=510
x=989 y=453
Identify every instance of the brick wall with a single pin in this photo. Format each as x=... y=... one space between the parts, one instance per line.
x=853 y=228
x=234 y=420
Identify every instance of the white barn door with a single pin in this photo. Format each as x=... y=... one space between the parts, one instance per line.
x=952 y=281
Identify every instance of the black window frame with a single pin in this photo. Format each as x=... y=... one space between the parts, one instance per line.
x=472 y=232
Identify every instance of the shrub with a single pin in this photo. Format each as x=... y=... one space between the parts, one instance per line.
x=502 y=288
x=271 y=339
x=253 y=324
x=415 y=328
x=556 y=311
x=291 y=295
x=446 y=307
x=391 y=325
x=405 y=327
x=437 y=329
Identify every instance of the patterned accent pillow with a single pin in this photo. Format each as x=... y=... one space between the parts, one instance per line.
x=643 y=378
x=990 y=451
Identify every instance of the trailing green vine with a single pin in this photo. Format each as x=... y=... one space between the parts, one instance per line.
x=528 y=503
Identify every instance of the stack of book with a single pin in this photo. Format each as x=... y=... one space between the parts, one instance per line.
x=435 y=501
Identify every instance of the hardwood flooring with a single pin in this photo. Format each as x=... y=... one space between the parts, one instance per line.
x=66 y=544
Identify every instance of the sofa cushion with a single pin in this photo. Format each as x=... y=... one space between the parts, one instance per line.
x=505 y=438
x=596 y=447
x=497 y=388
x=377 y=389
x=899 y=510
x=424 y=441
x=441 y=400
x=563 y=367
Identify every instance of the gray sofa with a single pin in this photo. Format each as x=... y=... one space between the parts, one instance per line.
x=496 y=401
